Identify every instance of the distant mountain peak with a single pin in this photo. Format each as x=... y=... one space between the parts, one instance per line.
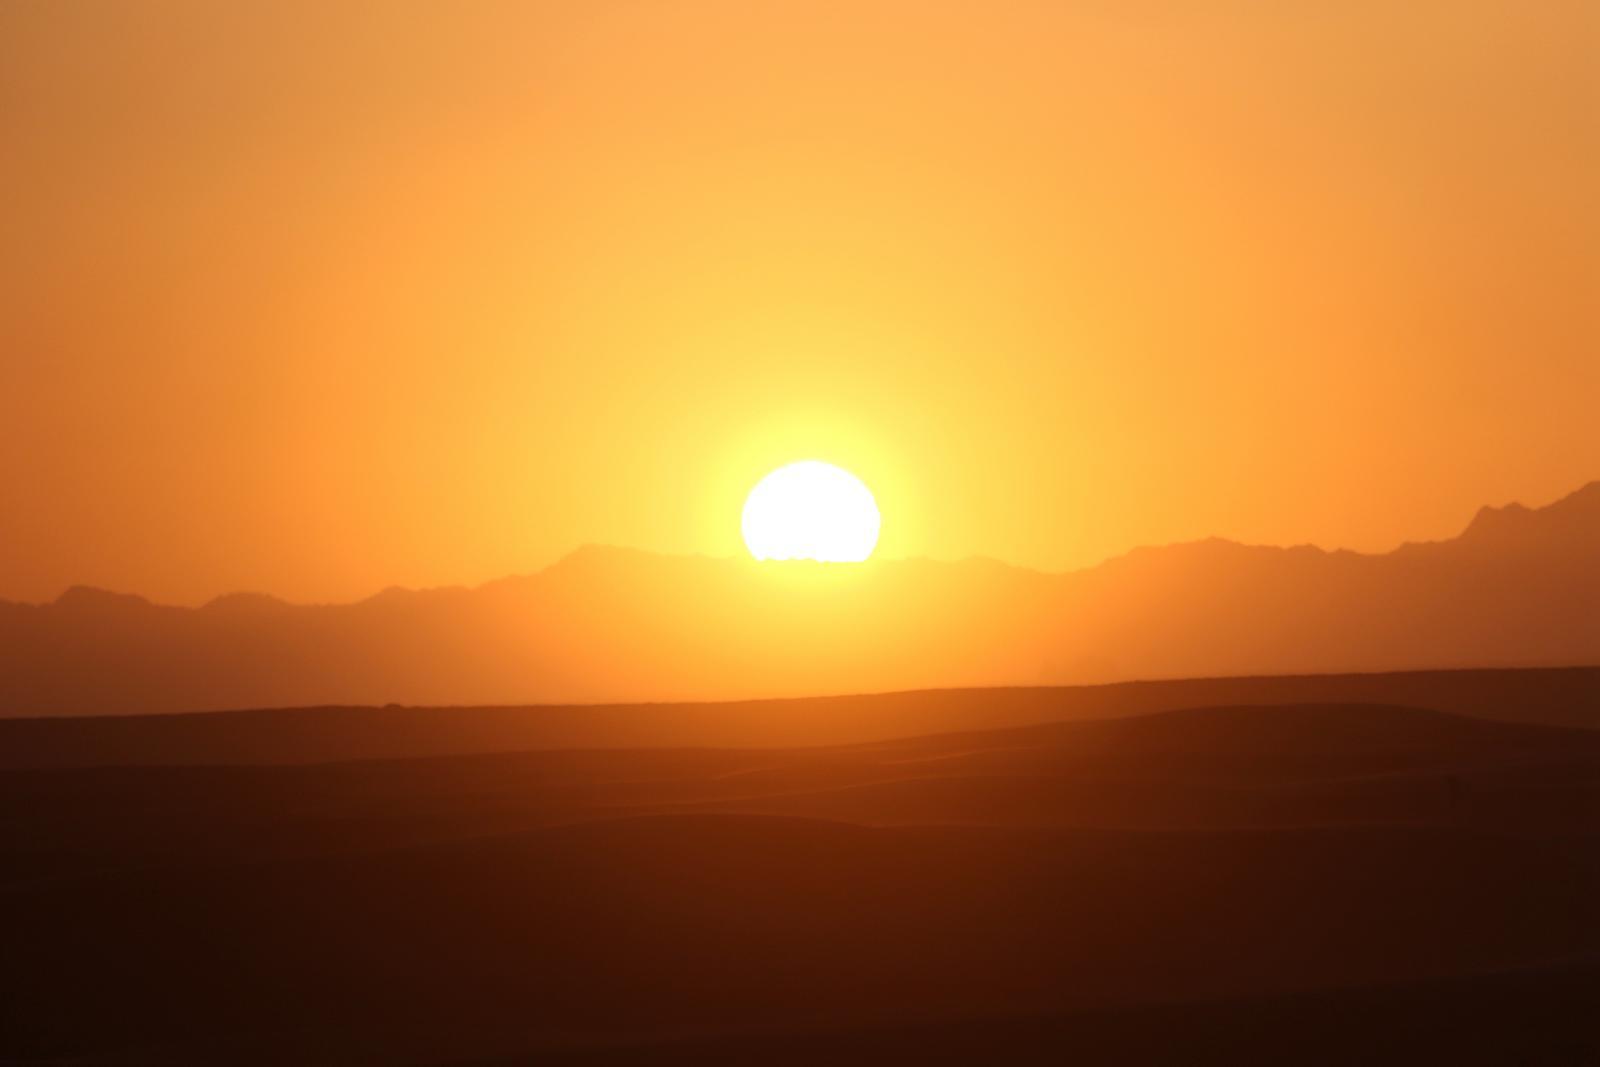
x=1491 y=518
x=244 y=604
x=1576 y=512
x=90 y=597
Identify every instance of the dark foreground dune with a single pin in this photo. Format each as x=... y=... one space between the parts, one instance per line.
x=1312 y=883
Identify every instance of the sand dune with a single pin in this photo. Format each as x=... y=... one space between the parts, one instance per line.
x=1568 y=697
x=1242 y=875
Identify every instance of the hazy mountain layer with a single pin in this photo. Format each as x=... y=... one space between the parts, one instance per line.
x=1518 y=587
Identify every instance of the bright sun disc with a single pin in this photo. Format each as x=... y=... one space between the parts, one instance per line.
x=811 y=510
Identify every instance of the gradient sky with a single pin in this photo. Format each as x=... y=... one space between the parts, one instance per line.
x=316 y=298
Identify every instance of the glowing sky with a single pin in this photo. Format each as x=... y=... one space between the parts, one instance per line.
x=317 y=298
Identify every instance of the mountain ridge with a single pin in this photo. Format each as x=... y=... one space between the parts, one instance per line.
x=1519 y=587
x=1487 y=516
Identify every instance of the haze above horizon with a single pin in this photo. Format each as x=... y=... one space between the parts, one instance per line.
x=319 y=299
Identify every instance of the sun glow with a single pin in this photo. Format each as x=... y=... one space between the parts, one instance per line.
x=811 y=510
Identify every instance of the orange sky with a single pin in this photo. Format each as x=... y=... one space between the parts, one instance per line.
x=318 y=298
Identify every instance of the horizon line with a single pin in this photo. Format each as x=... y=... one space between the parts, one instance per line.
x=744 y=558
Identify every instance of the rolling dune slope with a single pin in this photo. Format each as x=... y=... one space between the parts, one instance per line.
x=1249 y=873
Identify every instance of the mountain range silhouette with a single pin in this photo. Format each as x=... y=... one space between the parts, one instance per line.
x=1518 y=587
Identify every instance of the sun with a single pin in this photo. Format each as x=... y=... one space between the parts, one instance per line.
x=811 y=510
